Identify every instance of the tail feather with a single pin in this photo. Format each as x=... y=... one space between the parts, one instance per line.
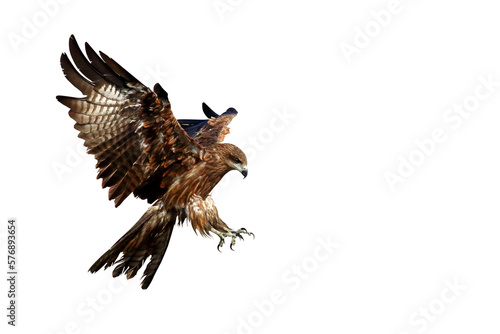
x=148 y=237
x=156 y=258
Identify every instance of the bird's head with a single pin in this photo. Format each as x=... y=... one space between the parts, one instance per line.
x=234 y=158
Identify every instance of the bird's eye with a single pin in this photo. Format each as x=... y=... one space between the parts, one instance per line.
x=236 y=160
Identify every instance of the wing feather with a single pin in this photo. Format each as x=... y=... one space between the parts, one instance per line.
x=210 y=131
x=130 y=130
x=118 y=69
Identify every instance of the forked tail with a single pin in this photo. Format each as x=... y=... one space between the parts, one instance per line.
x=149 y=236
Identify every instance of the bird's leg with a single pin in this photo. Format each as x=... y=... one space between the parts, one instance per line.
x=227 y=232
x=204 y=218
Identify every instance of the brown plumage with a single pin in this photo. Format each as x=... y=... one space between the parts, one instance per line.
x=142 y=149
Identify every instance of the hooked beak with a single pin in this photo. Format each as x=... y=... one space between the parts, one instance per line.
x=244 y=172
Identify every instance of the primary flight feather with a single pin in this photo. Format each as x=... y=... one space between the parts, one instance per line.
x=142 y=149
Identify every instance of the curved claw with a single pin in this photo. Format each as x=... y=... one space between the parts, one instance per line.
x=249 y=233
x=221 y=243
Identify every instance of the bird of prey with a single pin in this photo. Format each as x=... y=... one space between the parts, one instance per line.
x=142 y=149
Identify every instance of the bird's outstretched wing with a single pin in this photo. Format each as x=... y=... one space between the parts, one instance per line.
x=131 y=130
x=207 y=132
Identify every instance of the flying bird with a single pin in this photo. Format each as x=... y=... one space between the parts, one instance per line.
x=142 y=149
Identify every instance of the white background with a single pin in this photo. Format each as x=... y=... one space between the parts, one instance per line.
x=317 y=175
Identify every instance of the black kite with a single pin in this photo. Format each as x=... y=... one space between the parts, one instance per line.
x=142 y=149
